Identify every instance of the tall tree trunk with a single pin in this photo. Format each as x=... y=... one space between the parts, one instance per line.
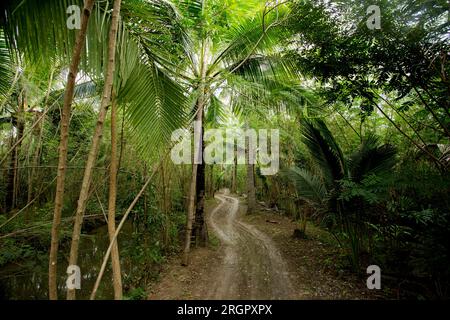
x=197 y=190
x=115 y=260
x=96 y=140
x=193 y=187
x=234 y=177
x=184 y=186
x=211 y=181
x=144 y=196
x=190 y=217
x=64 y=139
x=163 y=189
x=166 y=178
x=200 y=228
x=251 y=194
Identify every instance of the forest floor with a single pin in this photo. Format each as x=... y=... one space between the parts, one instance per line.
x=256 y=257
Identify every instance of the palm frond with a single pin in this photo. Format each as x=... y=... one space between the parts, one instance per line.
x=250 y=37
x=309 y=187
x=324 y=149
x=155 y=106
x=38 y=28
x=279 y=95
x=87 y=89
x=371 y=157
x=6 y=73
x=215 y=112
x=259 y=68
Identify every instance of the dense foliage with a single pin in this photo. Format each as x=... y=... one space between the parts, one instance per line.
x=363 y=114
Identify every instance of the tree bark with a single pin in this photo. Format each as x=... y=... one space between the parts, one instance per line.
x=163 y=190
x=64 y=139
x=234 y=178
x=251 y=194
x=200 y=228
x=190 y=218
x=119 y=227
x=211 y=181
x=115 y=260
x=96 y=140
x=193 y=190
x=197 y=190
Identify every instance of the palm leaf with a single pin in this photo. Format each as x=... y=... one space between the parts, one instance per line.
x=215 y=112
x=83 y=90
x=371 y=158
x=251 y=37
x=309 y=186
x=5 y=67
x=155 y=106
x=38 y=28
x=324 y=150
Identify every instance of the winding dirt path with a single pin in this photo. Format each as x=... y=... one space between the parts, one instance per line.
x=249 y=258
x=252 y=266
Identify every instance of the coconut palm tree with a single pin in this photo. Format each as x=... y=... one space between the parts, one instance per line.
x=217 y=46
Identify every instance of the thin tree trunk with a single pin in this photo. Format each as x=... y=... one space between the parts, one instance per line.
x=192 y=192
x=163 y=189
x=28 y=171
x=168 y=188
x=435 y=116
x=168 y=208
x=144 y=175
x=423 y=149
x=234 y=178
x=190 y=216
x=37 y=151
x=64 y=139
x=11 y=178
x=96 y=140
x=119 y=227
x=200 y=228
x=211 y=181
x=115 y=260
x=183 y=185
x=251 y=194
x=20 y=131
x=163 y=205
x=403 y=118
x=122 y=140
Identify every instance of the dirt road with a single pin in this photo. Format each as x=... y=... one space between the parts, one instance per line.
x=249 y=258
x=252 y=266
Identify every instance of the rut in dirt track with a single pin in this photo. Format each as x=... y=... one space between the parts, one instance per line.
x=252 y=267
